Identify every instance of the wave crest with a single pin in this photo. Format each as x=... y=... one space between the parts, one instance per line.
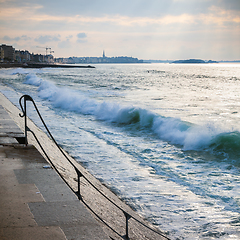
x=228 y=142
x=173 y=130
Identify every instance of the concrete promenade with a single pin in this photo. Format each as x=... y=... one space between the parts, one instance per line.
x=34 y=201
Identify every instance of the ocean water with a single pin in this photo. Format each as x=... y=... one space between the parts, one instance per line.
x=164 y=137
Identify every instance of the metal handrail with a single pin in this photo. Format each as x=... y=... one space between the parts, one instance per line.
x=79 y=173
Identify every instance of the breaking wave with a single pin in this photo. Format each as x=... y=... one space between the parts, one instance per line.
x=173 y=130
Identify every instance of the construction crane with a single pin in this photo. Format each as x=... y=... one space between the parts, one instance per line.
x=47 y=58
x=46 y=48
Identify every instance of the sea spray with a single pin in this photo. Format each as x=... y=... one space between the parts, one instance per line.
x=170 y=129
x=33 y=79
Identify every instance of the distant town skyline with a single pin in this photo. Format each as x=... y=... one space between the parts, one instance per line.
x=145 y=29
x=8 y=54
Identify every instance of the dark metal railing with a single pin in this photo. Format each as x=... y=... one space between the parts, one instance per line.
x=79 y=173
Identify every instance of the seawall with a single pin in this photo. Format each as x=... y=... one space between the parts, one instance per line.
x=42 y=65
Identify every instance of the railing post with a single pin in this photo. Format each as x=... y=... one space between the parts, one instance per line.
x=127 y=216
x=24 y=110
x=25 y=120
x=79 y=175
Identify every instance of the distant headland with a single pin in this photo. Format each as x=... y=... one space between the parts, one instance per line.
x=194 y=61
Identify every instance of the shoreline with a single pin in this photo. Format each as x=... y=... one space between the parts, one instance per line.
x=41 y=65
x=101 y=206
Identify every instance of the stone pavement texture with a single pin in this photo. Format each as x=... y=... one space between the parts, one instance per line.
x=34 y=201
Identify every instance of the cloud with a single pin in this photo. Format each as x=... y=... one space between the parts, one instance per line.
x=25 y=38
x=141 y=28
x=229 y=4
x=96 y=8
x=81 y=37
x=47 y=38
x=113 y=14
x=16 y=39
x=7 y=38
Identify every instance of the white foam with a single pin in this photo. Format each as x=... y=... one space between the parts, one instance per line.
x=191 y=137
x=107 y=111
x=199 y=137
x=169 y=129
x=32 y=79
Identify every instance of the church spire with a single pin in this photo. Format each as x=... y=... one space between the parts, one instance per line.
x=103 y=54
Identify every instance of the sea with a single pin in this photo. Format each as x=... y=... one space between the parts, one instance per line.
x=164 y=137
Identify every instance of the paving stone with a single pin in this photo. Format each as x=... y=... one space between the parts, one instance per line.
x=8 y=140
x=48 y=182
x=32 y=233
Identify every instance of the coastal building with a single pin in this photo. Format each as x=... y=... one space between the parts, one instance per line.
x=37 y=57
x=49 y=58
x=17 y=56
x=1 y=54
x=22 y=56
x=7 y=52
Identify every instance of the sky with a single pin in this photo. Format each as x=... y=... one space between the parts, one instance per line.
x=146 y=29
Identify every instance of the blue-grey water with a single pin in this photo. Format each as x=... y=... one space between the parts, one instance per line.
x=164 y=137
